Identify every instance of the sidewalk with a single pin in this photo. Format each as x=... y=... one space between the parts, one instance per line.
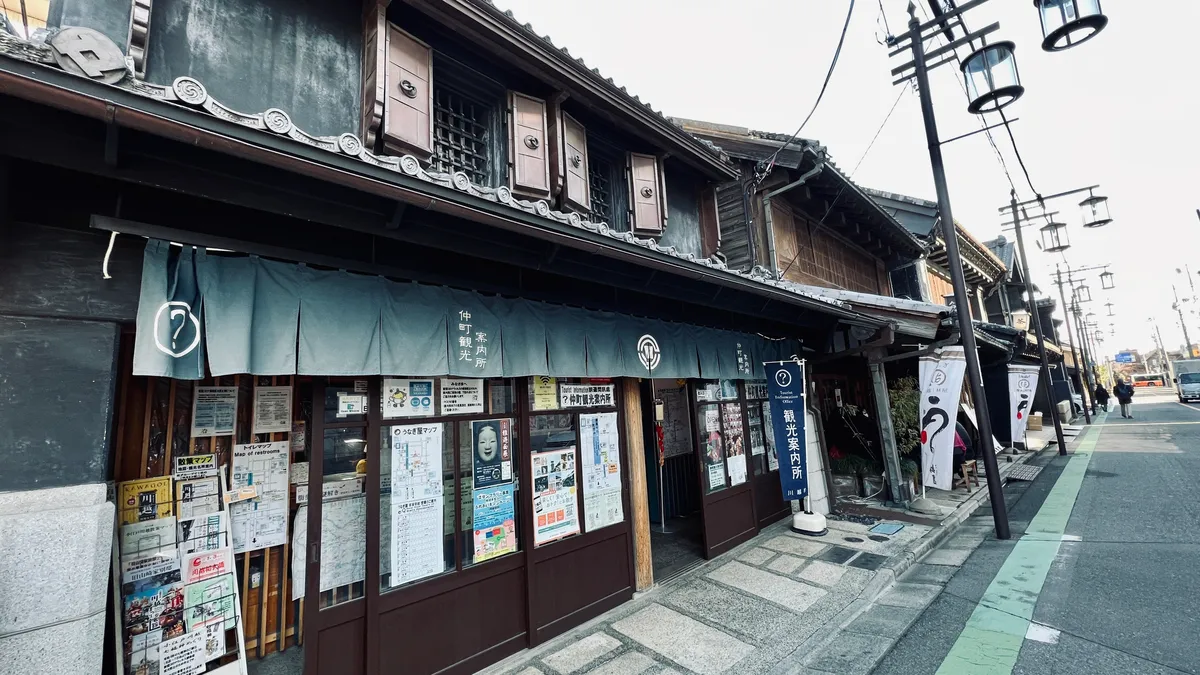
x=772 y=604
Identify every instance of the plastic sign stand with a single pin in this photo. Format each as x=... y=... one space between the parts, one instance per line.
x=808 y=522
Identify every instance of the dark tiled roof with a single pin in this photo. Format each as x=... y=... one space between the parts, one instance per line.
x=1004 y=249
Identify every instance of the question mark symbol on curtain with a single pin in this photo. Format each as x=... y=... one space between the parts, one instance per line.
x=172 y=310
x=182 y=316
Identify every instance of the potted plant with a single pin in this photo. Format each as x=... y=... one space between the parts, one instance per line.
x=844 y=473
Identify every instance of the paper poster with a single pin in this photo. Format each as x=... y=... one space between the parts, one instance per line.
x=183 y=655
x=712 y=419
x=461 y=396
x=586 y=395
x=214 y=411
x=737 y=469
x=203 y=565
x=555 y=507
x=203 y=533
x=333 y=488
x=197 y=497
x=146 y=499
x=757 y=443
x=756 y=390
x=708 y=391
x=494 y=522
x=350 y=404
x=716 y=476
x=940 y=392
x=600 y=453
x=728 y=390
x=147 y=536
x=145 y=565
x=272 y=410
x=214 y=639
x=142 y=651
x=407 y=398
x=260 y=522
x=676 y=423
x=188 y=467
x=772 y=452
x=545 y=393
x=154 y=602
x=491 y=445
x=343 y=544
x=416 y=501
x=207 y=601
x=298 y=473
x=299 y=437
x=735 y=443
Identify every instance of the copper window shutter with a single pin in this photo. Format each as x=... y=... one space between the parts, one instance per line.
x=645 y=193
x=527 y=146
x=577 y=190
x=407 y=126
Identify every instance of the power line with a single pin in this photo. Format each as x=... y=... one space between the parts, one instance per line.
x=770 y=163
x=829 y=209
x=1017 y=152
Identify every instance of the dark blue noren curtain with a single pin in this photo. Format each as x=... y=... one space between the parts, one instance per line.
x=708 y=349
x=604 y=344
x=476 y=338
x=566 y=339
x=414 y=330
x=251 y=314
x=170 y=337
x=679 y=359
x=339 y=323
x=523 y=327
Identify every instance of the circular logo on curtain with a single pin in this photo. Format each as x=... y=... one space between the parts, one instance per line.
x=783 y=378
x=1023 y=383
x=648 y=351
x=177 y=315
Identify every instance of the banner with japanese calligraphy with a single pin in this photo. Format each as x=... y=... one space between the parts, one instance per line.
x=1022 y=382
x=785 y=388
x=941 y=387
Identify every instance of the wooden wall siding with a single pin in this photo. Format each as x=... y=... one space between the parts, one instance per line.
x=154 y=427
x=939 y=287
x=820 y=259
x=735 y=228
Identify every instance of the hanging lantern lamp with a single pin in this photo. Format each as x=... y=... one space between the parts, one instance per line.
x=1083 y=293
x=992 y=78
x=1106 y=281
x=1067 y=23
x=1054 y=237
x=1095 y=211
x=1109 y=305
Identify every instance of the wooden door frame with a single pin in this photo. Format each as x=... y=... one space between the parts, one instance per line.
x=709 y=500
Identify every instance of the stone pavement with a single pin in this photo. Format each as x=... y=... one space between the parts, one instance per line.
x=768 y=602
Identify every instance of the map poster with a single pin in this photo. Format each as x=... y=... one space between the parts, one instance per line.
x=407 y=398
x=272 y=410
x=188 y=467
x=183 y=655
x=146 y=499
x=494 y=520
x=148 y=536
x=260 y=522
x=197 y=497
x=492 y=456
x=207 y=601
x=601 y=456
x=416 y=462
x=545 y=393
x=203 y=533
x=555 y=506
x=343 y=544
x=461 y=396
x=214 y=411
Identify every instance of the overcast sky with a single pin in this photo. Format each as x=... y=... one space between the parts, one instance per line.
x=1119 y=111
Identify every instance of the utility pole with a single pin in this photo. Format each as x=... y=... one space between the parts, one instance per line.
x=1088 y=355
x=1087 y=415
x=1047 y=385
x=1187 y=348
x=962 y=302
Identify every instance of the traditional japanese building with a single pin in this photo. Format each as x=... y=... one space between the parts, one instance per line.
x=446 y=314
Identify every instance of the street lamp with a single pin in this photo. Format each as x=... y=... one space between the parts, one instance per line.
x=1055 y=238
x=1106 y=281
x=1109 y=306
x=1095 y=211
x=1083 y=293
x=992 y=78
x=1067 y=23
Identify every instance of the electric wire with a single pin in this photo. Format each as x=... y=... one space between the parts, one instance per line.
x=770 y=163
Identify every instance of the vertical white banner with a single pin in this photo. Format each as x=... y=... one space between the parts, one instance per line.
x=941 y=387
x=1022 y=383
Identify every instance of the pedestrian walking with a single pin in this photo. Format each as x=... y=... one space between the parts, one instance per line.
x=1124 y=392
x=1102 y=396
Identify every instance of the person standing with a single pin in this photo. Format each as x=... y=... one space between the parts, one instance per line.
x=1124 y=392
x=1102 y=396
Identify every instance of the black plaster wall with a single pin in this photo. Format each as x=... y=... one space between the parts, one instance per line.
x=57 y=383
x=302 y=56
x=683 y=210
x=110 y=17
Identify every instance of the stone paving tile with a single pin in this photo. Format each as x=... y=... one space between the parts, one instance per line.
x=629 y=663
x=920 y=573
x=850 y=654
x=837 y=555
x=684 y=640
x=968 y=540
x=869 y=561
x=746 y=615
x=756 y=556
x=581 y=652
x=785 y=564
x=793 y=595
x=885 y=620
x=531 y=671
x=915 y=596
x=947 y=556
x=804 y=548
x=821 y=572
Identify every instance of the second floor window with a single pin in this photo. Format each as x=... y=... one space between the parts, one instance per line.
x=609 y=190
x=462 y=135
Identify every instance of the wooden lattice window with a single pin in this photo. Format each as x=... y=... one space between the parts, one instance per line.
x=462 y=129
x=600 y=179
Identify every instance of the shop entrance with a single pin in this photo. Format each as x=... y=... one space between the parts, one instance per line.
x=673 y=469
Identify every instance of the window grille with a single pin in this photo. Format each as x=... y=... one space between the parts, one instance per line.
x=462 y=136
x=600 y=177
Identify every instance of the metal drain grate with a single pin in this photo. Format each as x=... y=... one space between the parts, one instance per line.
x=1024 y=472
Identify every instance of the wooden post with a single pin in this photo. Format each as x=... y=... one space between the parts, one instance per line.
x=639 y=498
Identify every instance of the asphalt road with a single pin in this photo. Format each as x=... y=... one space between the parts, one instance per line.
x=1102 y=573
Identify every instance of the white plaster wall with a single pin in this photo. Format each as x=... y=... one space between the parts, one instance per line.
x=818 y=494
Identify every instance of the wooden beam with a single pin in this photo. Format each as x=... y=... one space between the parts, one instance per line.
x=639 y=496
